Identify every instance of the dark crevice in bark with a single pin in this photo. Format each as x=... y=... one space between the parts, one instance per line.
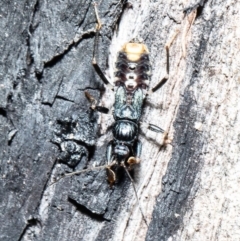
x=200 y=8
x=91 y=151
x=3 y=112
x=55 y=59
x=63 y=98
x=31 y=223
x=197 y=6
x=46 y=103
x=174 y=200
x=85 y=211
x=39 y=76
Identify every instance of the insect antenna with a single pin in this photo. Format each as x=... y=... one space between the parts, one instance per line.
x=135 y=191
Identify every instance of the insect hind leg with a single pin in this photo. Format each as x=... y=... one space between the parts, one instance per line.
x=132 y=160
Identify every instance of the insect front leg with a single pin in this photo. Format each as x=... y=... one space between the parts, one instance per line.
x=95 y=50
x=94 y=105
x=165 y=78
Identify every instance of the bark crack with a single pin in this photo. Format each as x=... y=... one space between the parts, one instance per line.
x=76 y=40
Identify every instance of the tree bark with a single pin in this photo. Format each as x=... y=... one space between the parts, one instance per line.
x=187 y=181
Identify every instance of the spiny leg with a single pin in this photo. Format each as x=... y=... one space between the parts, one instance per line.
x=95 y=50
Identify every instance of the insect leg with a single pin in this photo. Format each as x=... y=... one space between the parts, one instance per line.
x=135 y=191
x=164 y=79
x=95 y=50
x=152 y=127
x=109 y=152
x=94 y=105
x=137 y=149
x=107 y=167
x=110 y=173
x=79 y=172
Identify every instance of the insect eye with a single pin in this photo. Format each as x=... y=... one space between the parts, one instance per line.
x=145 y=57
x=121 y=56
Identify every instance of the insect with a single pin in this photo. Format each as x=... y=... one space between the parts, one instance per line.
x=132 y=80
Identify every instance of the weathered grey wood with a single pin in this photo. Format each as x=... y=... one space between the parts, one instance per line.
x=188 y=189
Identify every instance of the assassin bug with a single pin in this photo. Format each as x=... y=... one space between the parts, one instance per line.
x=132 y=79
x=133 y=72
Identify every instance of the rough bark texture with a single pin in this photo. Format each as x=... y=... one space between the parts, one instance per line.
x=189 y=189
